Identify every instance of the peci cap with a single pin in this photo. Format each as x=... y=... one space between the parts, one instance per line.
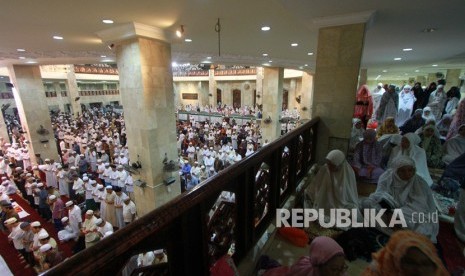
x=36 y=224
x=69 y=203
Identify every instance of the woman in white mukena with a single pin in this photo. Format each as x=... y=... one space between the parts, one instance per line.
x=409 y=147
x=402 y=188
x=334 y=185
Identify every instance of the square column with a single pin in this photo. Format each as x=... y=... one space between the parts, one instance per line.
x=211 y=88
x=336 y=80
x=452 y=78
x=306 y=96
x=146 y=85
x=259 y=86
x=3 y=129
x=73 y=92
x=33 y=111
x=272 y=100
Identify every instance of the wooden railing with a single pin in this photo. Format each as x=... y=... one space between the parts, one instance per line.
x=184 y=226
x=99 y=92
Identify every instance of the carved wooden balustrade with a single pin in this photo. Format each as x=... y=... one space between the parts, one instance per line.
x=235 y=206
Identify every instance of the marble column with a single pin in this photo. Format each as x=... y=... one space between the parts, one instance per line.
x=204 y=91
x=3 y=128
x=362 y=77
x=307 y=96
x=146 y=86
x=259 y=86
x=431 y=77
x=293 y=94
x=452 y=78
x=33 y=111
x=336 y=80
x=272 y=100
x=73 y=92
x=212 y=87
x=422 y=80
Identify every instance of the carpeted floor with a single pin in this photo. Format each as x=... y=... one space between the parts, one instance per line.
x=452 y=248
x=12 y=256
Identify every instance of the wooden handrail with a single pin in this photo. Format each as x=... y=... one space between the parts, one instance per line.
x=165 y=226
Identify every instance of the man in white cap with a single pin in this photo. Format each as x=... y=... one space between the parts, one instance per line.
x=74 y=216
x=67 y=233
x=57 y=206
x=145 y=259
x=129 y=185
x=203 y=175
x=160 y=257
x=110 y=210
x=106 y=174
x=51 y=257
x=89 y=229
x=121 y=177
x=209 y=161
x=129 y=211
x=100 y=170
x=16 y=235
x=89 y=188
x=103 y=227
x=62 y=183
x=38 y=231
x=78 y=188
x=3 y=165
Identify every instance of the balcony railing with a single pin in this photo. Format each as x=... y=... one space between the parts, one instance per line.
x=191 y=73
x=184 y=226
x=6 y=95
x=99 y=92
x=236 y=72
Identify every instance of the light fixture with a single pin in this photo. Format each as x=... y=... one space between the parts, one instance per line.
x=266 y=64
x=31 y=62
x=265 y=55
x=103 y=56
x=57 y=37
x=434 y=65
x=407 y=49
x=266 y=28
x=306 y=65
x=188 y=40
x=111 y=46
x=270 y=61
x=310 y=53
x=174 y=64
x=294 y=44
x=20 y=50
x=107 y=21
x=384 y=71
x=417 y=71
x=180 y=31
x=209 y=57
x=429 y=30
x=397 y=58
x=22 y=57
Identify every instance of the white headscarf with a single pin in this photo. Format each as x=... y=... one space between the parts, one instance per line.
x=416 y=153
x=411 y=196
x=334 y=189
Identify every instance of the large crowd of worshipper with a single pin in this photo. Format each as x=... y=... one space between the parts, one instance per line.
x=205 y=148
x=87 y=195
x=399 y=136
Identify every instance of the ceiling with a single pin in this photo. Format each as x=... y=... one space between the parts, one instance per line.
x=396 y=25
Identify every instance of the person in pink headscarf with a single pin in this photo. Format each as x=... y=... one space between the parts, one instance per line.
x=326 y=258
x=364 y=104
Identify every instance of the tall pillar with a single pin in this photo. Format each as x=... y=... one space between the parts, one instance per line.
x=212 y=87
x=3 y=128
x=362 y=77
x=204 y=91
x=422 y=80
x=272 y=102
x=259 y=85
x=73 y=92
x=146 y=85
x=292 y=94
x=307 y=96
x=452 y=78
x=336 y=79
x=57 y=87
x=431 y=77
x=33 y=111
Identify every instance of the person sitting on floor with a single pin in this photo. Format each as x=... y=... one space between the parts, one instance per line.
x=356 y=135
x=52 y=257
x=367 y=158
x=326 y=257
x=414 y=123
x=388 y=127
x=406 y=253
x=455 y=146
x=68 y=233
x=334 y=185
x=431 y=143
x=409 y=147
x=401 y=188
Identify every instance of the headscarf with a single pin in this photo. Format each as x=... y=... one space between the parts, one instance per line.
x=430 y=116
x=457 y=121
x=336 y=157
x=416 y=153
x=322 y=249
x=388 y=127
x=387 y=261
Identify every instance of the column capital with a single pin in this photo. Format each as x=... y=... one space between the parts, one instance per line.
x=345 y=19
x=132 y=30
